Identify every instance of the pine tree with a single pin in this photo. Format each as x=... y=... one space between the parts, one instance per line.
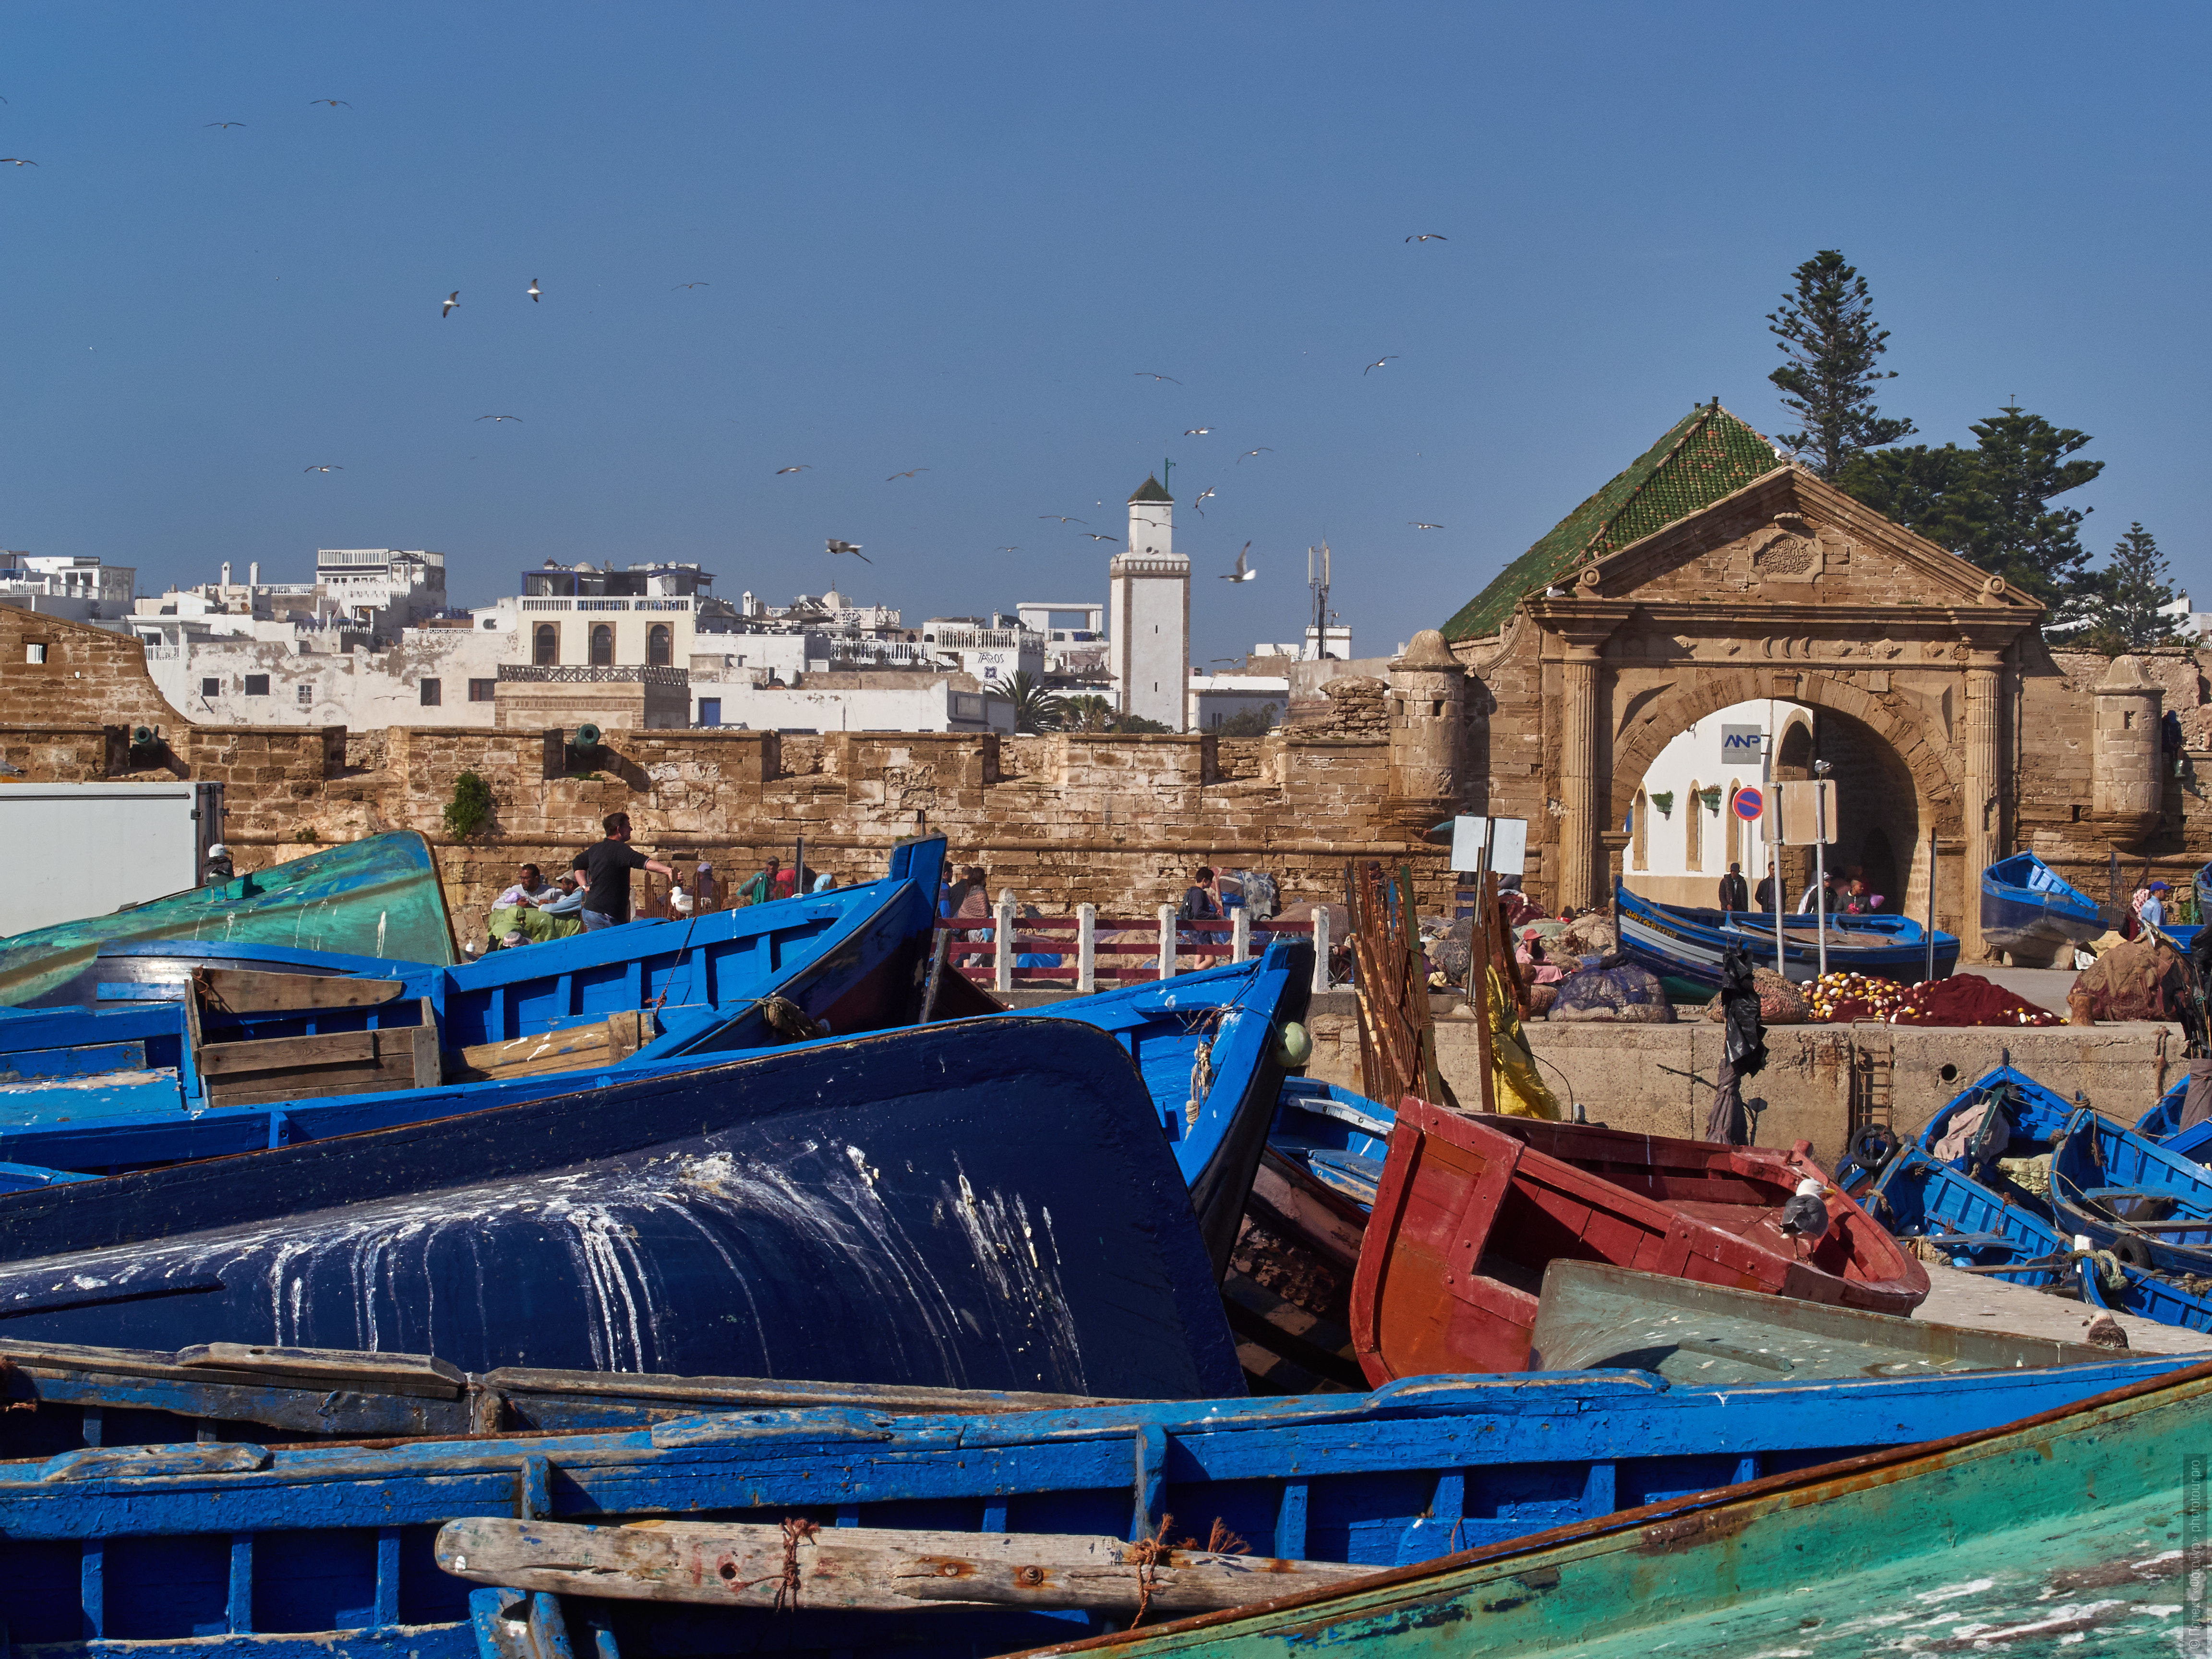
x=1829 y=335
x=2129 y=594
x=1991 y=504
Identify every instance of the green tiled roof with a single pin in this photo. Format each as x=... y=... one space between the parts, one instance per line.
x=1149 y=490
x=1705 y=455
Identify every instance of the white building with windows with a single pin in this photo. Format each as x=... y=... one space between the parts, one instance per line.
x=1683 y=830
x=72 y=588
x=1148 y=611
x=387 y=588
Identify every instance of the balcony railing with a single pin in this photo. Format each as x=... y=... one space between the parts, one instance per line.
x=577 y=674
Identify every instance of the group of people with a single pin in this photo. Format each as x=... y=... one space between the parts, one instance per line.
x=1847 y=893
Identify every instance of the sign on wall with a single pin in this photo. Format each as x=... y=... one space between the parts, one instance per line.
x=1509 y=845
x=1743 y=745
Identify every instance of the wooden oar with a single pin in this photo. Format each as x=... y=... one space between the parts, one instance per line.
x=870 y=1568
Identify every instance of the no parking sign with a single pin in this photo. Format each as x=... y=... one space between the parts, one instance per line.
x=1749 y=804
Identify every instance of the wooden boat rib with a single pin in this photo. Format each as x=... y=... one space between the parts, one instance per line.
x=1689 y=943
x=2028 y=910
x=2017 y=1539
x=114 y=1543
x=1471 y=1209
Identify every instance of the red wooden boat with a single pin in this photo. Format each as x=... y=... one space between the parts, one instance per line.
x=1470 y=1209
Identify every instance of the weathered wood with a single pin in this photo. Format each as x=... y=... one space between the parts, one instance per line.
x=272 y=1069
x=283 y=1053
x=614 y=1038
x=339 y=1366
x=251 y=991
x=738 y=1393
x=861 y=1568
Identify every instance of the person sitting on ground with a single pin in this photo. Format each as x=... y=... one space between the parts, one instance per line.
x=606 y=865
x=1736 y=895
x=530 y=890
x=556 y=916
x=1199 y=903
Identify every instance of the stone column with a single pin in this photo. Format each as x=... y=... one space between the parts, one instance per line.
x=2126 y=778
x=1984 y=807
x=1578 y=813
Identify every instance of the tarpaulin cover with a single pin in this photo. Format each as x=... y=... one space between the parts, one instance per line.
x=2130 y=981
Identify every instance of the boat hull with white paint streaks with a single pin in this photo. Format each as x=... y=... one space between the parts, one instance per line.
x=980 y=1204
x=1689 y=943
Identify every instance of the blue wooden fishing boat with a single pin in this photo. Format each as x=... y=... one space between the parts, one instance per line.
x=2141 y=1200
x=205 y=1548
x=2003 y=1234
x=984 y=1203
x=1688 y=942
x=2062 y=1533
x=2025 y=1122
x=376 y=897
x=1340 y=1138
x=2029 y=911
x=206 y=1027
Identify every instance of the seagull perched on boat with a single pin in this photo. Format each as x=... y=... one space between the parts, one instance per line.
x=854 y=548
x=1240 y=574
x=451 y=300
x=1804 y=1217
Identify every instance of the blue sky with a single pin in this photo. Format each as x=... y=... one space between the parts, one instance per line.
x=952 y=236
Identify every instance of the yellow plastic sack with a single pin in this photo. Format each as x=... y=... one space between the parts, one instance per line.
x=1520 y=1093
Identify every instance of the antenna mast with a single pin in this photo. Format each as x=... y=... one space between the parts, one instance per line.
x=1317 y=563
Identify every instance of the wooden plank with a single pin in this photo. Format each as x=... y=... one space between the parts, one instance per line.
x=865 y=1568
x=333 y=1367
x=251 y=991
x=740 y=1393
x=429 y=1067
x=617 y=1037
x=284 y=1053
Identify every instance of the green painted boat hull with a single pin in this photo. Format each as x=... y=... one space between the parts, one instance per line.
x=2064 y=1534
x=374 y=897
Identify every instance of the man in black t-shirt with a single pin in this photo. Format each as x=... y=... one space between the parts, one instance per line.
x=606 y=869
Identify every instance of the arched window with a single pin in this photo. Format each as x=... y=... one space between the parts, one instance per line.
x=1638 y=850
x=659 y=645
x=603 y=646
x=1693 y=830
x=545 y=645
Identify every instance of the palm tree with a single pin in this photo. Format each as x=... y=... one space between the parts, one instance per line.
x=1087 y=712
x=1035 y=709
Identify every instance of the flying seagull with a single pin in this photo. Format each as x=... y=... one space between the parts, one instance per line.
x=333 y=102
x=1010 y=550
x=1200 y=496
x=1063 y=518
x=804 y=466
x=909 y=473
x=499 y=417
x=322 y=469
x=709 y=285
x=1261 y=450
x=533 y=290
x=17 y=161
x=1196 y=431
x=1096 y=536
x=854 y=548
x=1147 y=374
x=451 y=300
x=1429 y=236
x=1240 y=574
x=225 y=126
x=1417 y=525
x=1378 y=363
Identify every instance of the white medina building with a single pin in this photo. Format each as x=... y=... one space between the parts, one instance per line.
x=1148 y=605
x=1683 y=832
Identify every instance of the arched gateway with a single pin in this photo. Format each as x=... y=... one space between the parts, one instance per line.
x=1712 y=573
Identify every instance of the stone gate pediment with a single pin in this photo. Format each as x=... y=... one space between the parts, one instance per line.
x=1788 y=538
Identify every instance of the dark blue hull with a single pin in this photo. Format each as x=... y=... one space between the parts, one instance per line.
x=985 y=1204
x=1689 y=943
x=2028 y=910
x=316 y=1552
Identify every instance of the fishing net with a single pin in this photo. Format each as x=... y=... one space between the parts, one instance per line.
x=1590 y=936
x=1627 y=993
x=1780 y=1003
x=1961 y=999
x=2133 y=981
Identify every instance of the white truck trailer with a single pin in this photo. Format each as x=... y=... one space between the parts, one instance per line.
x=87 y=850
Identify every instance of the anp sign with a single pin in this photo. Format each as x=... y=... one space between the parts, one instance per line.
x=1743 y=745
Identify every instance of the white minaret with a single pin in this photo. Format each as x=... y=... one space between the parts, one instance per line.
x=1148 y=597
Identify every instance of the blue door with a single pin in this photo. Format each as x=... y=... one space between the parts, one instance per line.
x=710 y=711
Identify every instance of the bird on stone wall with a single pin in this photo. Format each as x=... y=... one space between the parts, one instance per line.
x=854 y=548
x=1240 y=574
